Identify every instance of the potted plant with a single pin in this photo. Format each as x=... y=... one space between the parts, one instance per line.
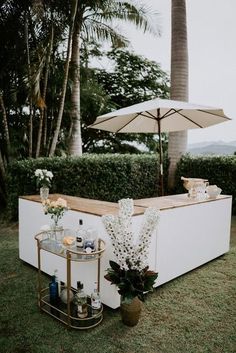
x=130 y=273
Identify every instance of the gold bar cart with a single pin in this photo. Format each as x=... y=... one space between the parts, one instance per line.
x=66 y=313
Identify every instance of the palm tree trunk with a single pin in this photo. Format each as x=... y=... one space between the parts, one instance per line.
x=42 y=110
x=2 y=166
x=3 y=196
x=31 y=129
x=45 y=130
x=30 y=83
x=65 y=80
x=76 y=141
x=5 y=124
x=177 y=145
x=40 y=130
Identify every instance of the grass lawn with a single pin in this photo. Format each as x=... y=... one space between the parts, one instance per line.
x=195 y=313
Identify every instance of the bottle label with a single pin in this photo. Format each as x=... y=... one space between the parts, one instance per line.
x=96 y=303
x=79 y=242
x=82 y=310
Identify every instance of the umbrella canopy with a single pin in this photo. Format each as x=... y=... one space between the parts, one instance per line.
x=157 y=116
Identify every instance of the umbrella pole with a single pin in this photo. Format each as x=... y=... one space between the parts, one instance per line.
x=161 y=182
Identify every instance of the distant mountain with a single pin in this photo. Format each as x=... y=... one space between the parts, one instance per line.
x=213 y=148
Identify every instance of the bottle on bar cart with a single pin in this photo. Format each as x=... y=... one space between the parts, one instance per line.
x=58 y=282
x=90 y=240
x=64 y=294
x=80 y=236
x=81 y=301
x=53 y=295
x=95 y=300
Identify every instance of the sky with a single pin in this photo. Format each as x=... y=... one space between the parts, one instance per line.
x=212 y=58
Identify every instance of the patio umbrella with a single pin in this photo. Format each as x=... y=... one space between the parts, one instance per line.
x=157 y=116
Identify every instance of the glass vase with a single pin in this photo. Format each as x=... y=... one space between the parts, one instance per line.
x=44 y=192
x=57 y=232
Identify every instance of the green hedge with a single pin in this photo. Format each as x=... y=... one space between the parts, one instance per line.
x=112 y=177
x=103 y=177
x=219 y=170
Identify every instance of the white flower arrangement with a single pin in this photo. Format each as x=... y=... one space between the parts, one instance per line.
x=126 y=249
x=130 y=273
x=43 y=177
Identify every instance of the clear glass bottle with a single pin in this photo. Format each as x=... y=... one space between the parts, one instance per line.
x=81 y=301
x=90 y=241
x=80 y=236
x=95 y=300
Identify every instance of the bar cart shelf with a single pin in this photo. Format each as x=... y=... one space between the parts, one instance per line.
x=66 y=313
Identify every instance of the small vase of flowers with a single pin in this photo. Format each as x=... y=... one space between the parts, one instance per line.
x=130 y=273
x=43 y=181
x=56 y=210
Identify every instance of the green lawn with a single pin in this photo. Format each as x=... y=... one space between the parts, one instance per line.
x=195 y=313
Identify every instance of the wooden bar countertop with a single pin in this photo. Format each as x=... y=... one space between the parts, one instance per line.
x=96 y=207
x=173 y=201
x=100 y=208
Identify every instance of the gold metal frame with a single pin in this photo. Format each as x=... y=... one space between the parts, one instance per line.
x=69 y=255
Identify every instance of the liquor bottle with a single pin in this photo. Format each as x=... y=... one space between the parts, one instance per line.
x=64 y=294
x=53 y=291
x=80 y=236
x=90 y=241
x=58 y=282
x=95 y=300
x=81 y=301
x=53 y=295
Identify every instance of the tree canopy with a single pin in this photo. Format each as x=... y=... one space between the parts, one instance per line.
x=131 y=80
x=41 y=69
x=32 y=62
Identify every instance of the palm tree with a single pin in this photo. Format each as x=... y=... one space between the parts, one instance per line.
x=45 y=84
x=179 y=81
x=5 y=124
x=74 y=8
x=94 y=21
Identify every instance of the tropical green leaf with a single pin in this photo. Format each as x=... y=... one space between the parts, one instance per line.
x=115 y=266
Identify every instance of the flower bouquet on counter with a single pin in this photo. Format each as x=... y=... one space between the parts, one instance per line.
x=56 y=209
x=43 y=178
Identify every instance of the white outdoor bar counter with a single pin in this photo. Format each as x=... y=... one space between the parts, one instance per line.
x=189 y=234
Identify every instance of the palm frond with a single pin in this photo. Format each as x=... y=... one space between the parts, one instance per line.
x=103 y=31
x=130 y=11
x=33 y=82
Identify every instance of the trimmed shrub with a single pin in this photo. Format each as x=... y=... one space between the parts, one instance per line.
x=112 y=177
x=219 y=170
x=104 y=177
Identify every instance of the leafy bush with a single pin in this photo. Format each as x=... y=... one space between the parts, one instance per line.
x=219 y=170
x=112 y=177
x=103 y=177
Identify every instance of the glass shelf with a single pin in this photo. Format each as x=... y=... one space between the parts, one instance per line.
x=59 y=312
x=47 y=243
